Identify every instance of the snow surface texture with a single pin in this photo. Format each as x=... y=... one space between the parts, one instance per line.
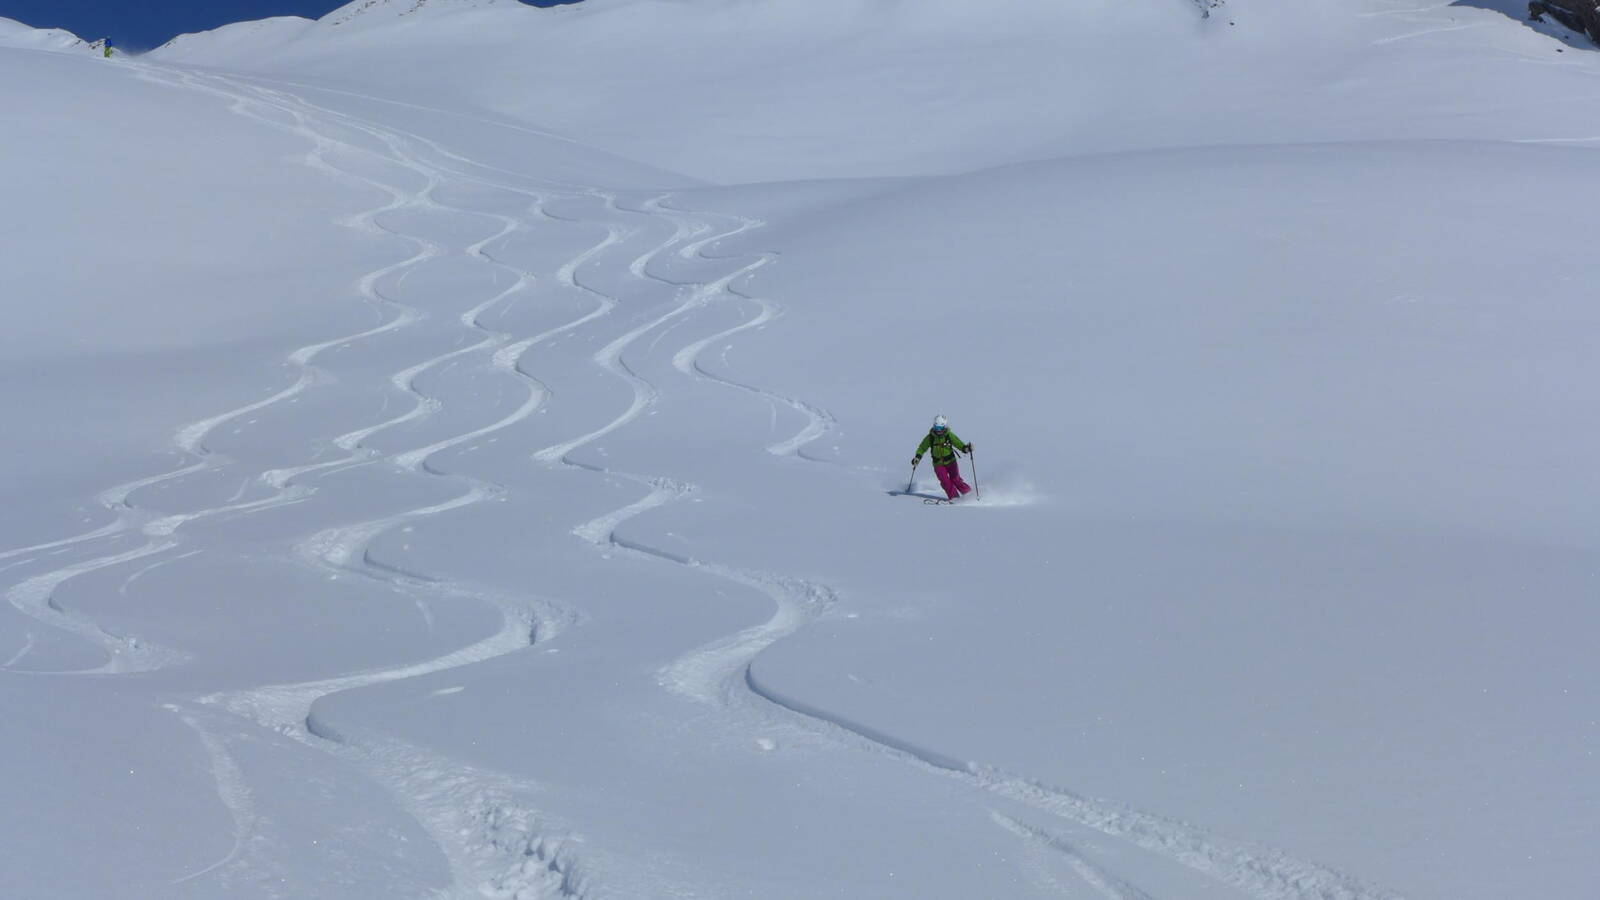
x=429 y=483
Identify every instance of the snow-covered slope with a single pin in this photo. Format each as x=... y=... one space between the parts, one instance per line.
x=430 y=486
x=733 y=90
x=263 y=36
x=14 y=34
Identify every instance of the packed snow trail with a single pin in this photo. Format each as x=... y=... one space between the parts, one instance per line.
x=495 y=839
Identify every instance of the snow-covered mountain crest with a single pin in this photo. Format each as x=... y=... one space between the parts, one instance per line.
x=778 y=89
x=242 y=42
x=16 y=34
x=379 y=10
x=263 y=36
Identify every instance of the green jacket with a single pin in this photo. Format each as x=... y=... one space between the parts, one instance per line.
x=944 y=447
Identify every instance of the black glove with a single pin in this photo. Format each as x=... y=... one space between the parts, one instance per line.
x=970 y=445
x=916 y=461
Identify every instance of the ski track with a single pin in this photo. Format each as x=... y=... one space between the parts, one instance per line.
x=35 y=596
x=1425 y=32
x=495 y=843
x=232 y=789
x=27 y=647
x=128 y=582
x=437 y=792
x=1107 y=884
x=720 y=672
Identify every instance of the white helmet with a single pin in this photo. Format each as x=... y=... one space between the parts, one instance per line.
x=940 y=423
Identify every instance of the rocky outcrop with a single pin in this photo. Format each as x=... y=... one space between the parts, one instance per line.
x=1579 y=15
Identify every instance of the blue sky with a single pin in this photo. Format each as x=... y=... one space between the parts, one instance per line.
x=135 y=25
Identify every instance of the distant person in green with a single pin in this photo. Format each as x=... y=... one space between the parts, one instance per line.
x=944 y=444
x=108 y=48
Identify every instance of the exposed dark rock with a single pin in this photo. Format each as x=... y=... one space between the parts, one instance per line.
x=1579 y=15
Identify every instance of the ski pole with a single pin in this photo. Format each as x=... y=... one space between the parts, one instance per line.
x=911 y=483
x=973 y=453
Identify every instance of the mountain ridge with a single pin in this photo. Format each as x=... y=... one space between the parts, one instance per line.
x=23 y=36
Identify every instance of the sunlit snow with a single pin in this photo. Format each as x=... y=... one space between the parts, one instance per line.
x=460 y=450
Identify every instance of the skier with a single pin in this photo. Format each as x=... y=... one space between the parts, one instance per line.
x=108 y=48
x=944 y=444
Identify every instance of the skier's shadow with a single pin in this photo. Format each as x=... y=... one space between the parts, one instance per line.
x=920 y=494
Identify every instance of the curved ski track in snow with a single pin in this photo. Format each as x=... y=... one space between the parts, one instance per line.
x=720 y=672
x=35 y=596
x=714 y=672
x=509 y=854
x=232 y=789
x=491 y=839
x=285 y=707
x=1104 y=882
x=687 y=360
x=494 y=842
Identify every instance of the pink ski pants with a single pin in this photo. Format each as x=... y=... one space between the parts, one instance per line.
x=950 y=480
